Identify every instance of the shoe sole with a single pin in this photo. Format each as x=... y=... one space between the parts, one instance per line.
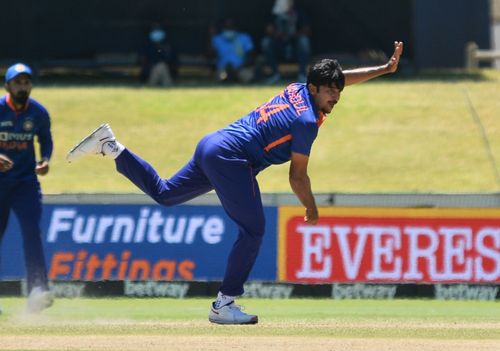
x=84 y=140
x=252 y=321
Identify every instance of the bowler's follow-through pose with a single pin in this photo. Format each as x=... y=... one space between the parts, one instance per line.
x=228 y=160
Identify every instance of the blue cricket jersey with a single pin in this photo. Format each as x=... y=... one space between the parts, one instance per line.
x=17 y=132
x=287 y=123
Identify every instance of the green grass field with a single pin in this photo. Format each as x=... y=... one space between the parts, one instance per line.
x=388 y=135
x=295 y=324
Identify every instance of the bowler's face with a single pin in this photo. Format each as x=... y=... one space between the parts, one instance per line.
x=325 y=97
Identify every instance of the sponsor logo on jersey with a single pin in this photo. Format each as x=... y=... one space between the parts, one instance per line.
x=7 y=136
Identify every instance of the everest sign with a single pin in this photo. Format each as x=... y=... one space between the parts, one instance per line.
x=390 y=245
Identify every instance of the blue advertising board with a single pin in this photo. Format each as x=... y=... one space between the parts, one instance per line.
x=137 y=242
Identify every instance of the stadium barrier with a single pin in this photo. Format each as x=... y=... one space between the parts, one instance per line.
x=126 y=65
x=473 y=56
x=123 y=64
x=399 y=200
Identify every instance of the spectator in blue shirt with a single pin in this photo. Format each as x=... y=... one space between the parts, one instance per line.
x=234 y=53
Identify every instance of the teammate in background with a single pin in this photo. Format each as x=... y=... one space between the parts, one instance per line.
x=21 y=119
x=281 y=130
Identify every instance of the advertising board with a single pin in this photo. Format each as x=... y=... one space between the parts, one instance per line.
x=136 y=243
x=390 y=245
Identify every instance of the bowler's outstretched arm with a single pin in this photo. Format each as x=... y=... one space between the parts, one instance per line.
x=358 y=75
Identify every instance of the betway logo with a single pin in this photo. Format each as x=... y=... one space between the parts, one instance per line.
x=67 y=289
x=363 y=291
x=465 y=292
x=415 y=253
x=268 y=290
x=156 y=289
x=151 y=227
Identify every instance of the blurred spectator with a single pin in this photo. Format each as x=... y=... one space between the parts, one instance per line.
x=234 y=52
x=158 y=59
x=287 y=39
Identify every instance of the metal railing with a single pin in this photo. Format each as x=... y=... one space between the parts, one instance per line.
x=473 y=55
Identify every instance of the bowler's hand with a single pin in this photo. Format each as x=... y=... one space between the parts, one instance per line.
x=311 y=216
x=42 y=168
x=392 y=64
x=6 y=163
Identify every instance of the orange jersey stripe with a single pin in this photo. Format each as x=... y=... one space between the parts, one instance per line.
x=281 y=140
x=321 y=119
x=10 y=103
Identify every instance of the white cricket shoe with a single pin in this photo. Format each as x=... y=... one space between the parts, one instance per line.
x=39 y=300
x=231 y=314
x=93 y=143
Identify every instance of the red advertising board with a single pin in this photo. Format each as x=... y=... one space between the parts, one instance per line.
x=390 y=245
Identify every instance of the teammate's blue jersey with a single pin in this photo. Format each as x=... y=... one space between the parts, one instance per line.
x=287 y=123
x=17 y=132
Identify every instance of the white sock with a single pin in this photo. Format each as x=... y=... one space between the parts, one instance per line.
x=223 y=300
x=112 y=149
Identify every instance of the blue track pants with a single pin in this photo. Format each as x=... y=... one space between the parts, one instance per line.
x=215 y=165
x=25 y=200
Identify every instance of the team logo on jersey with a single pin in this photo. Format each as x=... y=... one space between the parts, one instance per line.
x=28 y=125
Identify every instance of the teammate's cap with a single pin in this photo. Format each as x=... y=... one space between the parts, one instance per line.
x=15 y=70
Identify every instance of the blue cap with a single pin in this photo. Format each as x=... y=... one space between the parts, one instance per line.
x=15 y=70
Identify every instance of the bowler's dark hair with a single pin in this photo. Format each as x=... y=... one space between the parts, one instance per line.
x=326 y=72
